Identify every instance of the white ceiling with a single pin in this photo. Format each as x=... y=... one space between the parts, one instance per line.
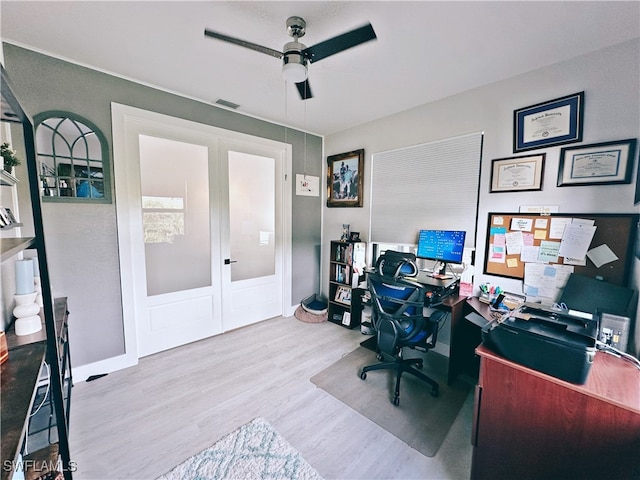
x=425 y=50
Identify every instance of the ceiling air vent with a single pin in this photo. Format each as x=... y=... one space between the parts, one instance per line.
x=226 y=103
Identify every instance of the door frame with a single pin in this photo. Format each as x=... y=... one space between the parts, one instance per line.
x=122 y=117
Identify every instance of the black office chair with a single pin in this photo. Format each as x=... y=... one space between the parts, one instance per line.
x=397 y=316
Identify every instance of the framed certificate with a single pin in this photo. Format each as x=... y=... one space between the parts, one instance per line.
x=554 y=122
x=517 y=173
x=600 y=163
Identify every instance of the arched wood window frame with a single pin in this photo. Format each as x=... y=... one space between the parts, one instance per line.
x=72 y=166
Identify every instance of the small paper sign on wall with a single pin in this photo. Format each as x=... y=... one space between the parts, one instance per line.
x=307 y=185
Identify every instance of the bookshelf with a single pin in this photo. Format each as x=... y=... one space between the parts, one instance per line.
x=346 y=272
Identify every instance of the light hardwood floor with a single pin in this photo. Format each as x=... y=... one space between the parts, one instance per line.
x=140 y=422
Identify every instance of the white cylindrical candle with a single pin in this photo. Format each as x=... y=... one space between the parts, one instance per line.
x=24 y=277
x=36 y=267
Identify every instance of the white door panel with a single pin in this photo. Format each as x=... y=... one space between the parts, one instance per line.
x=252 y=239
x=190 y=196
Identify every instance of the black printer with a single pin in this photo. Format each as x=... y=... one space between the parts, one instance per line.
x=549 y=340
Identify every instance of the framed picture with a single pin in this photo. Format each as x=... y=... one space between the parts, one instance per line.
x=343 y=295
x=345 y=179
x=555 y=122
x=600 y=163
x=354 y=237
x=4 y=218
x=517 y=174
x=10 y=215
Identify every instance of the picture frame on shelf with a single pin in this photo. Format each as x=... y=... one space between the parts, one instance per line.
x=345 y=174
x=5 y=221
x=343 y=295
x=10 y=215
x=554 y=122
x=517 y=174
x=606 y=163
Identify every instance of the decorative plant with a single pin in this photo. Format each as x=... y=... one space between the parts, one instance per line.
x=9 y=157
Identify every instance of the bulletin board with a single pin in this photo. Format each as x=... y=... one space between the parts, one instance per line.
x=614 y=233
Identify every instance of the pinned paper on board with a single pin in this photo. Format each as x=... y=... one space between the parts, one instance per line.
x=541 y=223
x=556 y=228
x=540 y=234
x=601 y=255
x=575 y=261
x=523 y=224
x=543 y=280
x=497 y=253
x=576 y=240
x=561 y=240
x=514 y=242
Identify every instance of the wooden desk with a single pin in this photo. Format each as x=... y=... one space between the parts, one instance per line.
x=19 y=382
x=18 y=378
x=459 y=339
x=529 y=425
x=465 y=337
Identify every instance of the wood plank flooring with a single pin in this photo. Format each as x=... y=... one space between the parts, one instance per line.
x=140 y=422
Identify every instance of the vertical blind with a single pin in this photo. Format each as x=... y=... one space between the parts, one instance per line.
x=429 y=186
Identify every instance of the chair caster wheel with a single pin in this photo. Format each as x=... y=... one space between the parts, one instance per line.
x=435 y=392
x=380 y=357
x=419 y=366
x=396 y=400
x=363 y=375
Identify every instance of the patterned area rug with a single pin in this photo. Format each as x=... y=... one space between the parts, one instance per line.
x=254 y=451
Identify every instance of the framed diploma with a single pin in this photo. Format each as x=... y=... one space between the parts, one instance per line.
x=555 y=122
x=600 y=163
x=517 y=174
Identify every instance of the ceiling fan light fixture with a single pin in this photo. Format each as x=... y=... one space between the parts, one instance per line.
x=294 y=72
x=296 y=56
x=294 y=64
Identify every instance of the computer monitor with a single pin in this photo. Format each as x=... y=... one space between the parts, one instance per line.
x=443 y=246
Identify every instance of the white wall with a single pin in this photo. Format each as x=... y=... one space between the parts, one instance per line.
x=610 y=79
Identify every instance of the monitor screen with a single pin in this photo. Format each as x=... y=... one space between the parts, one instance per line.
x=442 y=245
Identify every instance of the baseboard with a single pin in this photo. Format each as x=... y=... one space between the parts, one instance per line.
x=81 y=373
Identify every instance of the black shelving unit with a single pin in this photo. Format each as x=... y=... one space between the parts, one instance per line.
x=23 y=354
x=346 y=271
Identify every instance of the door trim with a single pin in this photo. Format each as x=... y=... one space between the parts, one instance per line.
x=122 y=116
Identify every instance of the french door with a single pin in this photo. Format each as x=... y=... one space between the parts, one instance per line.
x=252 y=272
x=201 y=228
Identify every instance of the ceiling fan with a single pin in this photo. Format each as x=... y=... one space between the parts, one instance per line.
x=296 y=56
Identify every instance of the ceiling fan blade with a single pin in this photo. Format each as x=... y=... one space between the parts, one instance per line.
x=338 y=44
x=243 y=43
x=304 y=90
